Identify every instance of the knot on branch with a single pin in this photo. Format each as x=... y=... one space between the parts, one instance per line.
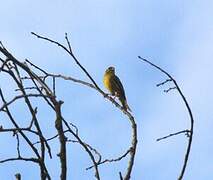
x=60 y=102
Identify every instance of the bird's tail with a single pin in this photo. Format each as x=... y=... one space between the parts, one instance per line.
x=124 y=104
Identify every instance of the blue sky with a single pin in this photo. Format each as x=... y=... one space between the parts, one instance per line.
x=176 y=35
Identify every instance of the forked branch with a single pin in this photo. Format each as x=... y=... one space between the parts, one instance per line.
x=129 y=115
x=191 y=130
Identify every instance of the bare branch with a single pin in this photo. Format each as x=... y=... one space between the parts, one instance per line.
x=20 y=158
x=167 y=90
x=120 y=176
x=73 y=56
x=189 y=112
x=41 y=163
x=18 y=144
x=62 y=138
x=86 y=149
x=54 y=86
x=68 y=42
x=17 y=129
x=174 y=134
x=35 y=66
x=112 y=160
x=26 y=88
x=17 y=78
x=164 y=82
x=19 y=97
x=131 y=118
x=33 y=113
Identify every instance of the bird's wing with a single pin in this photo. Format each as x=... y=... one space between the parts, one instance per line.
x=118 y=86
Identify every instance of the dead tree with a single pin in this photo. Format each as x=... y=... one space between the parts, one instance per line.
x=37 y=87
x=32 y=81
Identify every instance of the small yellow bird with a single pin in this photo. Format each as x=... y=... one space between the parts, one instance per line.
x=115 y=87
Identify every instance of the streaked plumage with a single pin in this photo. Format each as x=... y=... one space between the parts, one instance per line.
x=115 y=87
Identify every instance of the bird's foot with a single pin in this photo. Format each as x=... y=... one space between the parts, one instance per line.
x=109 y=95
x=106 y=95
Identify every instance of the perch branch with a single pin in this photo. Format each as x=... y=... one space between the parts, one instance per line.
x=131 y=118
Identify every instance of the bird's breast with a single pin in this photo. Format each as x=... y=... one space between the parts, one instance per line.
x=107 y=82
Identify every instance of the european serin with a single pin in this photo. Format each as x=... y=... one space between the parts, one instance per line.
x=115 y=87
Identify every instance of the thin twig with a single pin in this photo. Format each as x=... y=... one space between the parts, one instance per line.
x=72 y=55
x=18 y=144
x=112 y=160
x=171 y=88
x=51 y=138
x=174 y=134
x=35 y=66
x=68 y=42
x=164 y=82
x=91 y=148
x=85 y=147
x=20 y=158
x=19 y=97
x=120 y=176
x=18 y=129
x=54 y=86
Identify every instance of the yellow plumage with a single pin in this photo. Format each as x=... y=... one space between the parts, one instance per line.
x=115 y=87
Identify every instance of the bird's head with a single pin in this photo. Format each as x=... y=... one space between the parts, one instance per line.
x=110 y=69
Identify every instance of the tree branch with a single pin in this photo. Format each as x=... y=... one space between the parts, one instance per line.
x=111 y=160
x=174 y=134
x=131 y=118
x=189 y=112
